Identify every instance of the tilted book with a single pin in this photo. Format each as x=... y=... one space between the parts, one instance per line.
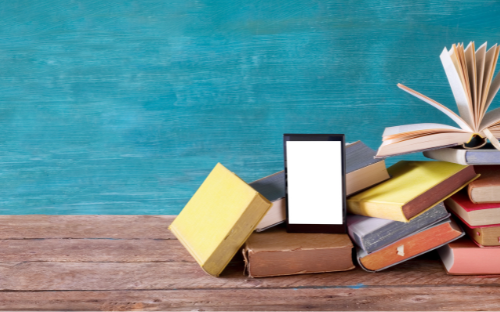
x=486 y=155
x=276 y=252
x=463 y=257
x=273 y=188
x=411 y=246
x=415 y=186
x=218 y=219
x=371 y=234
x=470 y=74
x=362 y=171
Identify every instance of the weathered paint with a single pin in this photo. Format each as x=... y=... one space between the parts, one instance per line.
x=123 y=107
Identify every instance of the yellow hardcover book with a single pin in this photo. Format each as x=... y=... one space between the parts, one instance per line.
x=219 y=218
x=415 y=187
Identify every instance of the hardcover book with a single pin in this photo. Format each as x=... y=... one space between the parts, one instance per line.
x=470 y=74
x=273 y=188
x=484 y=235
x=422 y=241
x=486 y=155
x=276 y=252
x=363 y=171
x=415 y=186
x=463 y=257
x=371 y=234
x=474 y=214
x=486 y=189
x=218 y=219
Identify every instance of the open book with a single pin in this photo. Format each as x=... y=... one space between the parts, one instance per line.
x=470 y=74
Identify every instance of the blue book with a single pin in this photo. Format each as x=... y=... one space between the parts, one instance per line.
x=486 y=155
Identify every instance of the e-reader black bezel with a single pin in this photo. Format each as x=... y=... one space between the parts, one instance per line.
x=317 y=228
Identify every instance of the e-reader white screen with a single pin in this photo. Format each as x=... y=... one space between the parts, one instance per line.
x=314 y=182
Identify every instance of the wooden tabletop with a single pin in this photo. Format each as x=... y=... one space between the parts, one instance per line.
x=135 y=263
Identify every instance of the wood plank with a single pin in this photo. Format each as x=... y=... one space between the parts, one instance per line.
x=327 y=298
x=91 y=226
x=39 y=276
x=93 y=250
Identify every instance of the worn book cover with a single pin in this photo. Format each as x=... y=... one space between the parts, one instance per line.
x=276 y=252
x=486 y=189
x=415 y=186
x=418 y=243
x=371 y=234
x=219 y=218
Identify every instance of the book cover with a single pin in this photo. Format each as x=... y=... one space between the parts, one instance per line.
x=470 y=75
x=422 y=241
x=415 y=186
x=463 y=257
x=486 y=189
x=371 y=234
x=486 y=155
x=218 y=219
x=474 y=214
x=276 y=252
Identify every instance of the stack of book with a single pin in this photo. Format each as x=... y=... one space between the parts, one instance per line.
x=226 y=214
x=404 y=217
x=395 y=213
x=470 y=75
x=478 y=210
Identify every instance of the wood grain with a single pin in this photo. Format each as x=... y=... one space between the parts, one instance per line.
x=38 y=276
x=46 y=226
x=300 y=299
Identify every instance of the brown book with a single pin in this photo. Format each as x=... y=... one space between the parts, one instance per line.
x=411 y=246
x=486 y=189
x=276 y=252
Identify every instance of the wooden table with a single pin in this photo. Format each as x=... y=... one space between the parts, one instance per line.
x=135 y=263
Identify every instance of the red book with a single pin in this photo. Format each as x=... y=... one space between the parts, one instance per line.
x=473 y=214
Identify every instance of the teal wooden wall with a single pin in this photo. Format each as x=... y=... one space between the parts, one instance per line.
x=123 y=107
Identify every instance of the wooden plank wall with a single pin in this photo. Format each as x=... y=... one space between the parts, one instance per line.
x=123 y=107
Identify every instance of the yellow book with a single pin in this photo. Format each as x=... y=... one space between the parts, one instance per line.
x=415 y=187
x=219 y=218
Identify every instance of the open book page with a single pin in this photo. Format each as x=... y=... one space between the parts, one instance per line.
x=427 y=127
x=422 y=143
x=464 y=107
x=480 y=58
x=489 y=69
x=464 y=77
x=470 y=58
x=460 y=122
x=490 y=119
